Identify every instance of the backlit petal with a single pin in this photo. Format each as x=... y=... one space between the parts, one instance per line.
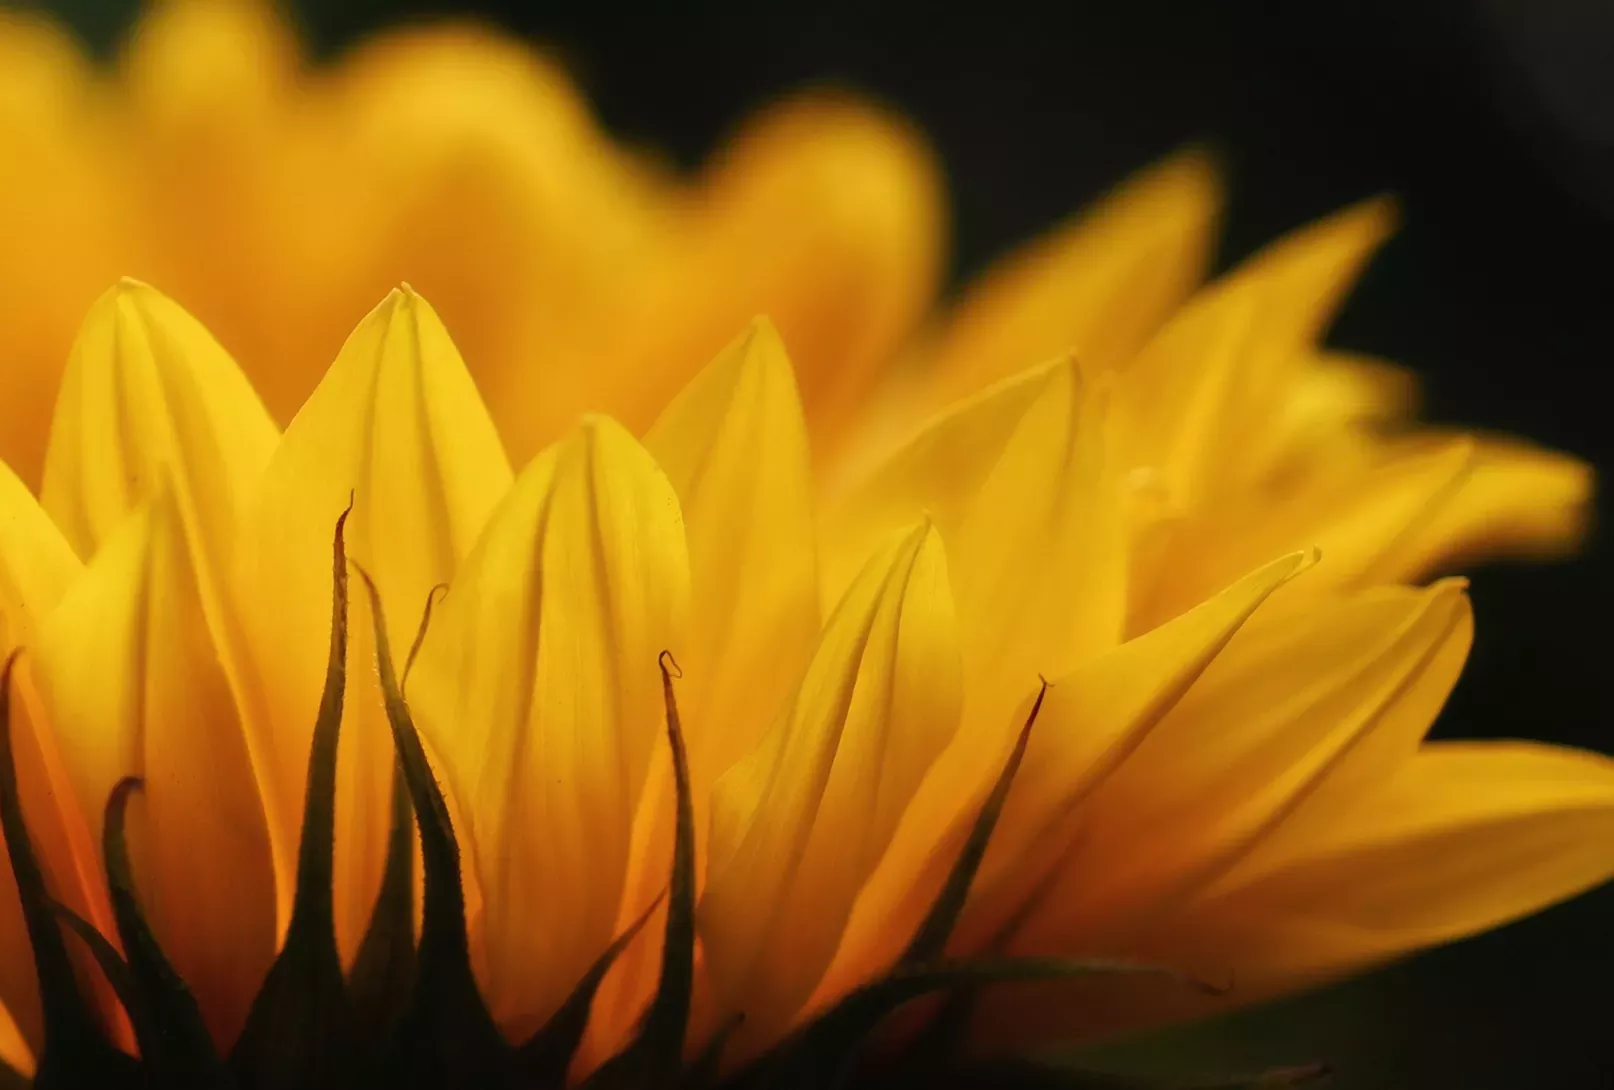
x=397 y=425
x=1298 y=718
x=1362 y=521
x=56 y=215
x=161 y=707
x=825 y=214
x=538 y=691
x=1097 y=287
x=36 y=567
x=800 y=823
x=1466 y=836
x=1091 y=720
x=149 y=396
x=1514 y=500
x=734 y=446
x=1204 y=400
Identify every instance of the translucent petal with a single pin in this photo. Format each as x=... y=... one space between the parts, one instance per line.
x=56 y=214
x=148 y=396
x=397 y=425
x=1204 y=400
x=800 y=823
x=1302 y=714
x=1097 y=287
x=823 y=212
x=36 y=567
x=734 y=445
x=539 y=693
x=1091 y=720
x=160 y=706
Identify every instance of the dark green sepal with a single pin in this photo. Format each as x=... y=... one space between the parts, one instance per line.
x=939 y=1041
x=180 y=1052
x=383 y=972
x=445 y=1035
x=655 y=1057
x=822 y=1053
x=76 y=1055
x=301 y=1033
x=545 y=1057
x=117 y=973
x=703 y=1071
x=930 y=938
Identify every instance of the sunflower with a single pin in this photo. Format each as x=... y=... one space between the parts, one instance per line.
x=727 y=738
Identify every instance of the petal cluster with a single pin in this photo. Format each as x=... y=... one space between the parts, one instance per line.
x=1158 y=519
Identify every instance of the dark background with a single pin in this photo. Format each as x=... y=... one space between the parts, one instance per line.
x=1493 y=122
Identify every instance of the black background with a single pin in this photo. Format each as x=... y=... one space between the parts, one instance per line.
x=1494 y=124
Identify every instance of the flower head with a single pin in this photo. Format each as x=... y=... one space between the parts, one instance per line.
x=727 y=737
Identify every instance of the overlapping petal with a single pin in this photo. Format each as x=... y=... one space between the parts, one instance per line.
x=538 y=690
x=397 y=428
x=801 y=821
x=162 y=708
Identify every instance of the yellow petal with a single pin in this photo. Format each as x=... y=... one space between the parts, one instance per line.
x=14 y=1050
x=1361 y=519
x=148 y=394
x=734 y=446
x=56 y=215
x=1514 y=500
x=135 y=686
x=1299 y=716
x=226 y=204
x=36 y=567
x=1023 y=484
x=1465 y=837
x=1098 y=286
x=1041 y=549
x=1090 y=721
x=824 y=213
x=488 y=186
x=938 y=470
x=1205 y=398
x=1461 y=838
x=396 y=424
x=800 y=823
x=539 y=693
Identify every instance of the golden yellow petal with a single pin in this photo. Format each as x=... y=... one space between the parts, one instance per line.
x=1091 y=720
x=1514 y=500
x=14 y=1050
x=487 y=185
x=1300 y=715
x=1098 y=286
x=538 y=691
x=36 y=567
x=56 y=218
x=396 y=424
x=1204 y=400
x=1023 y=483
x=938 y=471
x=1461 y=838
x=801 y=822
x=824 y=213
x=227 y=194
x=135 y=685
x=734 y=446
x=1464 y=837
x=1041 y=549
x=1361 y=519
x=149 y=396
